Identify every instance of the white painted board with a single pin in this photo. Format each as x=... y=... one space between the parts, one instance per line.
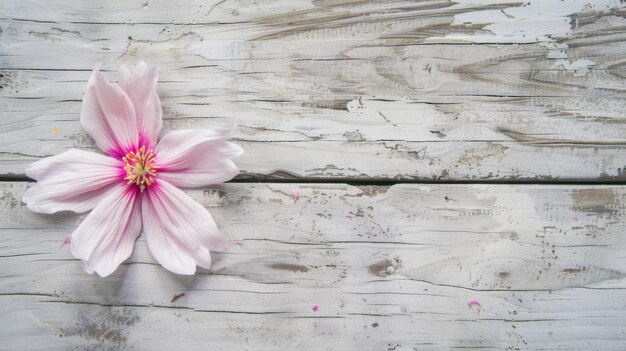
x=464 y=90
x=389 y=267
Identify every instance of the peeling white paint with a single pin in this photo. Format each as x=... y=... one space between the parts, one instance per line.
x=555 y=50
x=579 y=68
x=534 y=21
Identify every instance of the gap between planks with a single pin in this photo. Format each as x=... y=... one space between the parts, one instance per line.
x=248 y=179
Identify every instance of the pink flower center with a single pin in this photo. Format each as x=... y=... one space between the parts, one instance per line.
x=140 y=168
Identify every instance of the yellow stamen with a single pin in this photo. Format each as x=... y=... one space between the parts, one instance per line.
x=140 y=168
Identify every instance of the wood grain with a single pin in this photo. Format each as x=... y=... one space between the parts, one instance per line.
x=417 y=90
x=328 y=92
x=391 y=268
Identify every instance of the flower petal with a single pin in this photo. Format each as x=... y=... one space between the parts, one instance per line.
x=179 y=230
x=140 y=86
x=108 y=116
x=107 y=236
x=195 y=158
x=75 y=180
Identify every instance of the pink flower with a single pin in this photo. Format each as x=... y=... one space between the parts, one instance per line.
x=136 y=183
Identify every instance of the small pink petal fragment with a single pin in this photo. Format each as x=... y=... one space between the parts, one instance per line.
x=574 y=218
x=68 y=239
x=315 y=308
x=346 y=56
x=473 y=303
x=238 y=241
x=296 y=194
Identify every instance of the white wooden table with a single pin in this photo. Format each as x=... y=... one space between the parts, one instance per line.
x=444 y=151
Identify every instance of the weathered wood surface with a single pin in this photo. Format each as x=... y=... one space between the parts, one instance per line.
x=546 y=263
x=464 y=90
x=339 y=90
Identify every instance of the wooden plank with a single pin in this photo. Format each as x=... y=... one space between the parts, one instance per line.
x=391 y=268
x=465 y=90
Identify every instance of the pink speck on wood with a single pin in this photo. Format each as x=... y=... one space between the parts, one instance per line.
x=68 y=239
x=238 y=241
x=315 y=308
x=473 y=303
x=296 y=194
